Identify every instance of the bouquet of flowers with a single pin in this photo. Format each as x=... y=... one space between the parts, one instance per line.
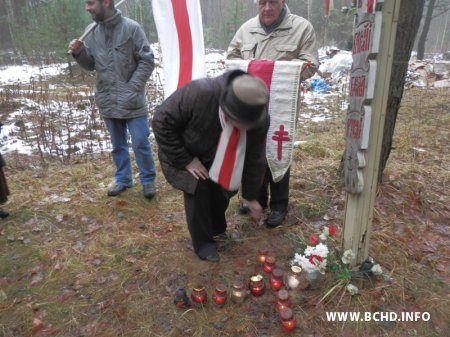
x=314 y=256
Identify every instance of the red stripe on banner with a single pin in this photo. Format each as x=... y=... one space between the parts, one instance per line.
x=181 y=16
x=327 y=7
x=370 y=6
x=263 y=69
x=226 y=170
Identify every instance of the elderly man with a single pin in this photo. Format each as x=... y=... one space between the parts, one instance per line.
x=118 y=50
x=276 y=34
x=211 y=137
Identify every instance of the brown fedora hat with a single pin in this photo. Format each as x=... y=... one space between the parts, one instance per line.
x=244 y=100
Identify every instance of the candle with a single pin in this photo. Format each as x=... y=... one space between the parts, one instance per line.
x=220 y=295
x=276 y=279
x=238 y=292
x=294 y=277
x=262 y=254
x=287 y=320
x=181 y=299
x=199 y=295
x=269 y=264
x=257 y=285
x=282 y=300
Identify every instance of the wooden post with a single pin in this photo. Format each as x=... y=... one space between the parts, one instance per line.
x=369 y=87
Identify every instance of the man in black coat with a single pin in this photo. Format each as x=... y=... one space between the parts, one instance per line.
x=211 y=139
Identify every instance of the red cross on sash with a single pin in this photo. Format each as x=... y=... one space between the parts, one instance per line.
x=283 y=81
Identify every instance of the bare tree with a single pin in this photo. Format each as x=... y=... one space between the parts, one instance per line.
x=411 y=13
x=425 y=30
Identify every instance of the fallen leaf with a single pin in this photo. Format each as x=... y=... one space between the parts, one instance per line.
x=36 y=279
x=37 y=325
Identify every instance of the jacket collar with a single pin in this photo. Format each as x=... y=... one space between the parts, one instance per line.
x=113 y=20
x=285 y=25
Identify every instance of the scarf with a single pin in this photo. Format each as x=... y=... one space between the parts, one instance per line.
x=228 y=164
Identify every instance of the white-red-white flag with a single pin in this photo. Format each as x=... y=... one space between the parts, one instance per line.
x=329 y=4
x=283 y=82
x=180 y=35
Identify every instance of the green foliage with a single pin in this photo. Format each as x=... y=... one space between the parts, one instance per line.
x=142 y=12
x=46 y=28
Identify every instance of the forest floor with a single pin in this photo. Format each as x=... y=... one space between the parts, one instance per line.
x=74 y=262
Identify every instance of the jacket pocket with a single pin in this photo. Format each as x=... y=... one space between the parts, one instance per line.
x=248 y=51
x=286 y=51
x=127 y=97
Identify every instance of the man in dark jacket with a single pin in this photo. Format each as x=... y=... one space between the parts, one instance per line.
x=211 y=138
x=118 y=50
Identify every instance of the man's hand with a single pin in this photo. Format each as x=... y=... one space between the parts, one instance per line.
x=76 y=46
x=256 y=211
x=196 y=168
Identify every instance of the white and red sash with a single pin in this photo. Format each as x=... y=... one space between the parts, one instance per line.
x=283 y=80
x=180 y=34
x=228 y=163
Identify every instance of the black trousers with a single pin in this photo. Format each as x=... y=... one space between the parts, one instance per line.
x=279 y=192
x=205 y=215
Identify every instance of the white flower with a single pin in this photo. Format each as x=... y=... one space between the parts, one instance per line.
x=348 y=256
x=376 y=269
x=323 y=237
x=326 y=231
x=319 y=250
x=352 y=289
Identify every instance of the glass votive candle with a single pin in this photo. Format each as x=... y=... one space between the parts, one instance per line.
x=220 y=295
x=262 y=254
x=257 y=285
x=294 y=277
x=238 y=292
x=181 y=299
x=276 y=279
x=199 y=295
x=269 y=264
x=288 y=323
x=283 y=300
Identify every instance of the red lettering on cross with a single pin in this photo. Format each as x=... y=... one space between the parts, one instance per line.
x=280 y=137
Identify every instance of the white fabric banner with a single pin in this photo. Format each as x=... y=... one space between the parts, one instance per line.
x=283 y=81
x=180 y=35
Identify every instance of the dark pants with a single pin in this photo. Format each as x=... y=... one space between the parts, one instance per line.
x=205 y=215
x=279 y=192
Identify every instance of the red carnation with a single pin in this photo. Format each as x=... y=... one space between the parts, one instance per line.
x=315 y=259
x=313 y=239
x=332 y=231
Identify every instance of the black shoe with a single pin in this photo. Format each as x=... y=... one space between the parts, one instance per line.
x=116 y=190
x=276 y=218
x=149 y=190
x=213 y=257
x=3 y=214
x=243 y=209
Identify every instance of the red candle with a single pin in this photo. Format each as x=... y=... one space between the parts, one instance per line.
x=269 y=264
x=276 y=279
x=262 y=254
x=257 y=285
x=287 y=320
x=199 y=295
x=220 y=295
x=181 y=300
x=282 y=300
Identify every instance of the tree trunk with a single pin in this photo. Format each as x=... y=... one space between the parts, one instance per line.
x=425 y=30
x=410 y=15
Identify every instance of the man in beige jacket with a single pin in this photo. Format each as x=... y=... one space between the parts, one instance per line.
x=276 y=34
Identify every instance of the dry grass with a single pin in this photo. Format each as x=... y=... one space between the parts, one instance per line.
x=83 y=264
